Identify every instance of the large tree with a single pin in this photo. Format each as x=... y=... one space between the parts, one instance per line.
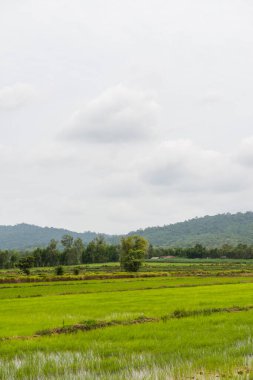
x=133 y=250
x=96 y=251
x=73 y=250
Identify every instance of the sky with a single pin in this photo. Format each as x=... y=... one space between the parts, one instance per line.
x=118 y=115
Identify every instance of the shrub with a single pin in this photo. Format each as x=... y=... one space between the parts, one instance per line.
x=59 y=271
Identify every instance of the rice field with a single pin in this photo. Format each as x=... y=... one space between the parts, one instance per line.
x=177 y=326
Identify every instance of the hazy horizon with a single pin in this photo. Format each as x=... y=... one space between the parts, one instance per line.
x=118 y=116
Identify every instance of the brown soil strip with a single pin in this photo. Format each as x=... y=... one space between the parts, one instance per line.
x=30 y=279
x=17 y=280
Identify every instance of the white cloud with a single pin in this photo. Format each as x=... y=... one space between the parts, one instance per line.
x=15 y=95
x=122 y=189
x=245 y=152
x=183 y=166
x=119 y=114
x=211 y=97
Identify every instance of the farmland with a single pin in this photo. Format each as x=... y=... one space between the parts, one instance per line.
x=173 y=320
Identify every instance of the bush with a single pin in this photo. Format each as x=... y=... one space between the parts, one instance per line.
x=25 y=263
x=76 y=271
x=59 y=271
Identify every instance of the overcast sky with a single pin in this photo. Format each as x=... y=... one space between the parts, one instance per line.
x=116 y=115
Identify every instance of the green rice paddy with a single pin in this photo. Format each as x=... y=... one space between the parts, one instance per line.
x=183 y=325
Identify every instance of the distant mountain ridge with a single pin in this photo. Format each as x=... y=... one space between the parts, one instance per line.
x=25 y=236
x=211 y=231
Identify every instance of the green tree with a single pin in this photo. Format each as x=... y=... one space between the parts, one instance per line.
x=133 y=250
x=52 y=254
x=73 y=250
x=14 y=259
x=67 y=241
x=4 y=259
x=151 y=251
x=96 y=251
x=77 y=250
x=25 y=263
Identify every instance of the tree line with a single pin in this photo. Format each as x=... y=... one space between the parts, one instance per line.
x=68 y=251
x=130 y=252
x=239 y=251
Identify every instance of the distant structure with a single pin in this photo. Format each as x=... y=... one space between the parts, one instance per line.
x=162 y=257
x=167 y=257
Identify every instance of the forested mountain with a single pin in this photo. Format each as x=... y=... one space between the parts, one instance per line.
x=23 y=236
x=210 y=231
